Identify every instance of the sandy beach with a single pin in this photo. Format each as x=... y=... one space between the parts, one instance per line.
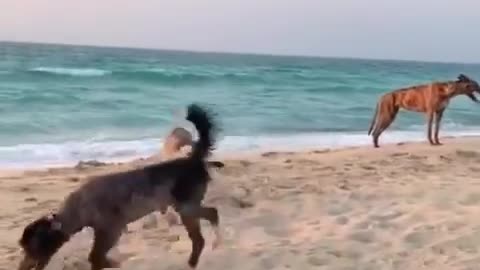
x=403 y=206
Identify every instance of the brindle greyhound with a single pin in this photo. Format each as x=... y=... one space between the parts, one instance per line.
x=431 y=99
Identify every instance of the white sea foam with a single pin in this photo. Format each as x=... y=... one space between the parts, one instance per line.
x=69 y=153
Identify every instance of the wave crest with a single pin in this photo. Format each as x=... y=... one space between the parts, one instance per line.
x=158 y=75
x=81 y=72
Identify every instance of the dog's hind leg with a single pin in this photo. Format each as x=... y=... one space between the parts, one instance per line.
x=211 y=214
x=104 y=240
x=190 y=214
x=207 y=213
x=192 y=225
x=384 y=121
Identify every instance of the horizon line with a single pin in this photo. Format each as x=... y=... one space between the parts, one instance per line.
x=192 y=51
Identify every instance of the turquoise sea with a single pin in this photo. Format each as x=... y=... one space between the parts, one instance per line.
x=62 y=104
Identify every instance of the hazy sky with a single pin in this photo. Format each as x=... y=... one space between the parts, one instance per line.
x=440 y=30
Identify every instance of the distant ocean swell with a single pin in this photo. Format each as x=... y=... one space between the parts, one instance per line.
x=156 y=74
x=194 y=75
x=197 y=75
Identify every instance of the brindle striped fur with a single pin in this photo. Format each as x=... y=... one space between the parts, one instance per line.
x=431 y=99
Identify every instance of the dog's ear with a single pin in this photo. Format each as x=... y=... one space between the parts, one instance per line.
x=463 y=78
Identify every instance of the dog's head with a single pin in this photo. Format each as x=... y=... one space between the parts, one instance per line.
x=40 y=240
x=175 y=141
x=467 y=86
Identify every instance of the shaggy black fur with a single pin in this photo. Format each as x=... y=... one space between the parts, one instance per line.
x=108 y=203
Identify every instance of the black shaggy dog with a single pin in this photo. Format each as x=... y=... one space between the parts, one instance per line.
x=108 y=203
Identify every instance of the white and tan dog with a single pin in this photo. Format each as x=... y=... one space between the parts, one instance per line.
x=177 y=143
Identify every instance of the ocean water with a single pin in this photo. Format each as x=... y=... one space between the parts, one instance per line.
x=62 y=104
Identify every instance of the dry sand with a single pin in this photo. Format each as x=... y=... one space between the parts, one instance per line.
x=409 y=206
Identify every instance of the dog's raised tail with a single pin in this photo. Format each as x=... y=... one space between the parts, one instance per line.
x=204 y=123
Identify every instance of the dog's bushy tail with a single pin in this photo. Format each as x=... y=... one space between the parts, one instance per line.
x=203 y=120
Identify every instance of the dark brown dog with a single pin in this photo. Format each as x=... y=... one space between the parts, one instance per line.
x=430 y=99
x=108 y=203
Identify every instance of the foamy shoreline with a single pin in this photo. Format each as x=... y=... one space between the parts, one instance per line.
x=402 y=206
x=70 y=153
x=223 y=153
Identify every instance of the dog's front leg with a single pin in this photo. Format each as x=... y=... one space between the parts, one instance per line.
x=429 y=126
x=438 y=119
x=104 y=240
